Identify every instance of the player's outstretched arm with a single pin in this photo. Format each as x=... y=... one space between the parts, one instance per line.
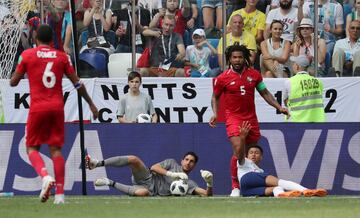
x=269 y=98
x=157 y=168
x=82 y=91
x=244 y=130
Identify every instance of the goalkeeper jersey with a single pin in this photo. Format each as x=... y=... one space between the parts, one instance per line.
x=162 y=183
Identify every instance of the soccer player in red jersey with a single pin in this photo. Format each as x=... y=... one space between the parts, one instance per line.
x=238 y=85
x=45 y=68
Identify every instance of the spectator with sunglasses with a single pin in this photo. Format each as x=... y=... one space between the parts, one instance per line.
x=304 y=45
x=346 y=57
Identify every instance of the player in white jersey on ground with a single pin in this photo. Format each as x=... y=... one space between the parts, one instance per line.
x=255 y=182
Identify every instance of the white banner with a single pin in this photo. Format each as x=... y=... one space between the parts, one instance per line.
x=178 y=99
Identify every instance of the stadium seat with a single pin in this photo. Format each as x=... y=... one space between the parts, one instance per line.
x=357 y=71
x=84 y=36
x=97 y=60
x=199 y=20
x=327 y=61
x=110 y=36
x=347 y=8
x=214 y=42
x=120 y=64
x=187 y=70
x=213 y=61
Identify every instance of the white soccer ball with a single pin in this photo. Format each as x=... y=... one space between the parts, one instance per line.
x=143 y=118
x=179 y=187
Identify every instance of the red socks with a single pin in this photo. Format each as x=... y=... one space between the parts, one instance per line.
x=233 y=172
x=59 y=170
x=38 y=163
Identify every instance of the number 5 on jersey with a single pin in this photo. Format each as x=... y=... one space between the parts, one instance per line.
x=48 y=77
x=242 y=90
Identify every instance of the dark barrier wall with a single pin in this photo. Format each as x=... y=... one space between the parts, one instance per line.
x=316 y=155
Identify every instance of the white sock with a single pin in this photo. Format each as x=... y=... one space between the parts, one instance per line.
x=278 y=190
x=290 y=186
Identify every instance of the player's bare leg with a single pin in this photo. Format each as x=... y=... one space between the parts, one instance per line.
x=59 y=170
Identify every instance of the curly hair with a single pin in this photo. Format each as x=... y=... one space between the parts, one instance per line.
x=237 y=47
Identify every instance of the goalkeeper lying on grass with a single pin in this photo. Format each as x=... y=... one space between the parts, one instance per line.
x=253 y=180
x=156 y=180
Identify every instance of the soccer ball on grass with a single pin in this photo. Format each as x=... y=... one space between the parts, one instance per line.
x=179 y=187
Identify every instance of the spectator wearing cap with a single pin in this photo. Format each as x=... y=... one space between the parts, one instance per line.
x=197 y=55
x=330 y=22
x=304 y=45
x=303 y=93
x=347 y=51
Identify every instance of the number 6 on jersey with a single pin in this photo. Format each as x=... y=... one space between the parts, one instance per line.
x=48 y=77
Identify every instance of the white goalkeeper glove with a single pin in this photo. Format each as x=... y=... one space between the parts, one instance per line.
x=208 y=177
x=177 y=175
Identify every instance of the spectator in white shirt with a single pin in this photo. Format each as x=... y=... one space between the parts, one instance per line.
x=290 y=16
x=347 y=51
x=276 y=3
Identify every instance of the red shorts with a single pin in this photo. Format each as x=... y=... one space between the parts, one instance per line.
x=232 y=129
x=45 y=127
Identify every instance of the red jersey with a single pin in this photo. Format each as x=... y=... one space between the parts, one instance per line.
x=45 y=68
x=239 y=93
x=180 y=23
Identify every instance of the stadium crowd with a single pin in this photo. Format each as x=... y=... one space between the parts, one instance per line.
x=177 y=37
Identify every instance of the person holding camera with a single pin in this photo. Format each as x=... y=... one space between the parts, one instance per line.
x=98 y=21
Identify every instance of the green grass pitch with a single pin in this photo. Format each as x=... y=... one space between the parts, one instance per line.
x=182 y=207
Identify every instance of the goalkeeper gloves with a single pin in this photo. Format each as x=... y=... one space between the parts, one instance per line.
x=208 y=177
x=177 y=175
